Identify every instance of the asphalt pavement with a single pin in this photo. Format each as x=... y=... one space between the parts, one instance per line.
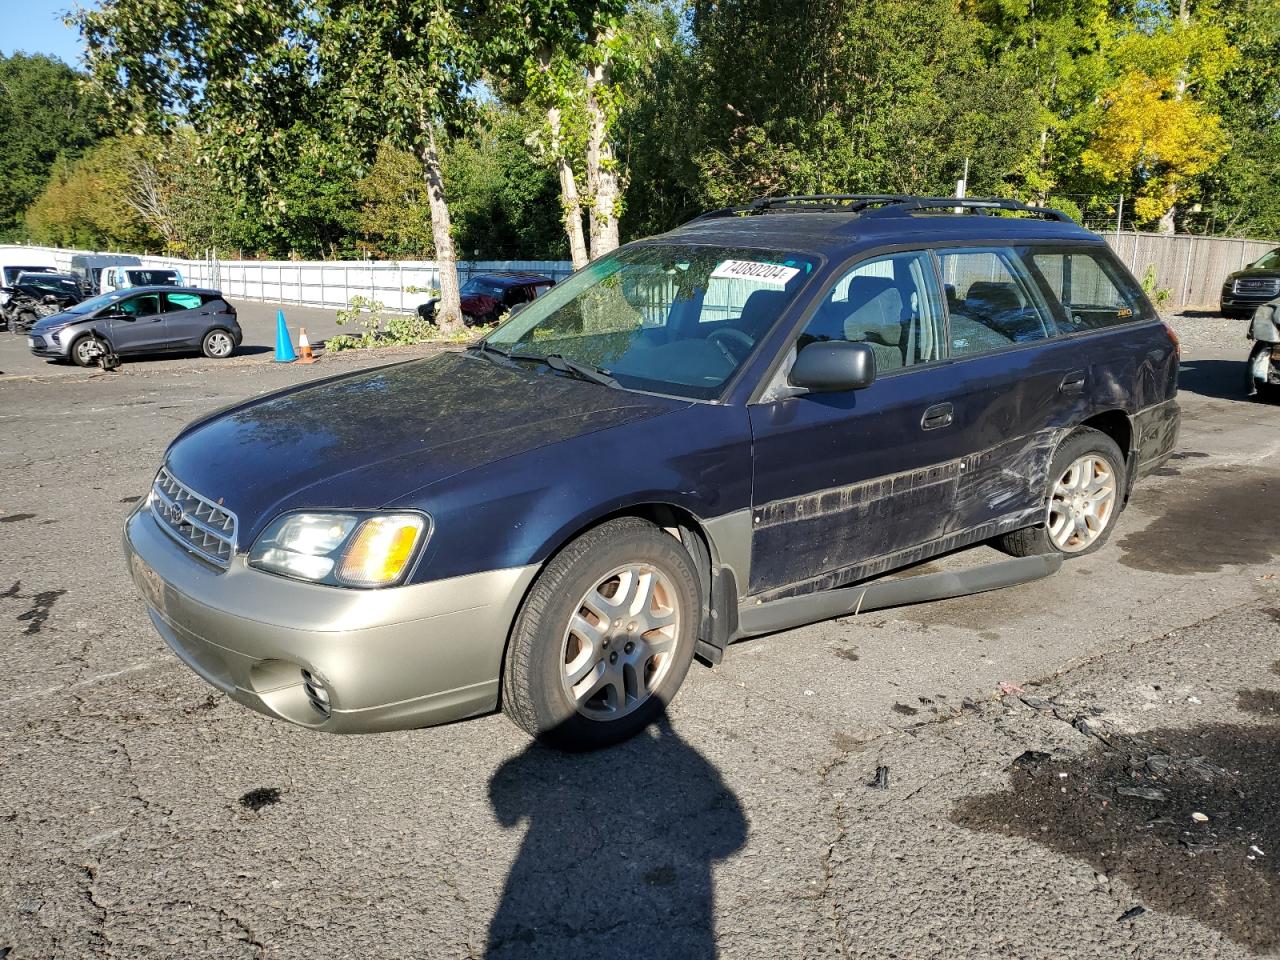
x=1078 y=767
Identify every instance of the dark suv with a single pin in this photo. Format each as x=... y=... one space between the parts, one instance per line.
x=740 y=426
x=1245 y=290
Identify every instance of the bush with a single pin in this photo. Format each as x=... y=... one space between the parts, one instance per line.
x=378 y=328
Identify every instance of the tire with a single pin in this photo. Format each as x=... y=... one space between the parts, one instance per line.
x=218 y=344
x=1107 y=473
x=557 y=638
x=76 y=353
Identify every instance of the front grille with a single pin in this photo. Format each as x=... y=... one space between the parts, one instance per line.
x=1257 y=286
x=205 y=528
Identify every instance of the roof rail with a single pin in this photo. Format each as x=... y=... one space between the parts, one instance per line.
x=978 y=205
x=883 y=205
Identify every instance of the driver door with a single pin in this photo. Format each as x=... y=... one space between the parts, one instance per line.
x=138 y=324
x=848 y=482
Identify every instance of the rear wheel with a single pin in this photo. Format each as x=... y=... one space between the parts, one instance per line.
x=217 y=344
x=605 y=637
x=1086 y=491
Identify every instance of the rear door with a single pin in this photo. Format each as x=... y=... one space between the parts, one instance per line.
x=849 y=484
x=186 y=317
x=1016 y=388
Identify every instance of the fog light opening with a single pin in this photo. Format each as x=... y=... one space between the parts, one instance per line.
x=316 y=692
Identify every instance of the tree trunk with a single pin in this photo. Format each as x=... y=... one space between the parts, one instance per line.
x=570 y=201
x=602 y=169
x=1167 y=224
x=449 y=310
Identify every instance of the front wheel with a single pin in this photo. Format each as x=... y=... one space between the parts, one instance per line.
x=1086 y=492
x=604 y=638
x=85 y=352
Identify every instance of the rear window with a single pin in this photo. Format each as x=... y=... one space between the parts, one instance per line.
x=1093 y=294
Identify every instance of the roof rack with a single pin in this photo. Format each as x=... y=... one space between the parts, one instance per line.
x=884 y=205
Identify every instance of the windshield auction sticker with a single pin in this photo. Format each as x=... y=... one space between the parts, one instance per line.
x=766 y=273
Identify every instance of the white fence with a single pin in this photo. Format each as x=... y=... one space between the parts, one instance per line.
x=398 y=285
x=1191 y=268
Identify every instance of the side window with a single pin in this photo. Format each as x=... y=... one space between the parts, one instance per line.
x=181 y=301
x=890 y=303
x=992 y=301
x=1092 y=293
x=143 y=306
x=516 y=296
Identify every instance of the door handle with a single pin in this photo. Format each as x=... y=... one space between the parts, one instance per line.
x=1073 y=382
x=939 y=415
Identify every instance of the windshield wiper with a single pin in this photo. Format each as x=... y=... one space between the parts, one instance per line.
x=556 y=361
x=491 y=353
x=583 y=371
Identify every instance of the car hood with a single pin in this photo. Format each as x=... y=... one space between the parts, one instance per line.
x=363 y=440
x=1267 y=273
x=56 y=320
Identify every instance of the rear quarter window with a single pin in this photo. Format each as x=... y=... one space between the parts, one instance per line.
x=182 y=301
x=1093 y=292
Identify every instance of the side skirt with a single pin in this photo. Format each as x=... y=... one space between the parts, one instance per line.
x=758 y=618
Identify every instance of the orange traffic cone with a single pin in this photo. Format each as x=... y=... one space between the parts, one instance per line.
x=304 y=346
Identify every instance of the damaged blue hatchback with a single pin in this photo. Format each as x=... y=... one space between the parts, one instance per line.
x=740 y=426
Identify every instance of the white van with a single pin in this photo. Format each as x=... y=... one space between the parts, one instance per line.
x=122 y=275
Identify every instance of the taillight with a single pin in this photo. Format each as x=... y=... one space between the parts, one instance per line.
x=1173 y=337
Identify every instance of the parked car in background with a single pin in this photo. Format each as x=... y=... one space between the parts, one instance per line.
x=1246 y=290
x=488 y=296
x=14 y=263
x=89 y=266
x=140 y=320
x=120 y=277
x=736 y=427
x=36 y=295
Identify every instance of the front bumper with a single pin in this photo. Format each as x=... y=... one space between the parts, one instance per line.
x=389 y=659
x=43 y=345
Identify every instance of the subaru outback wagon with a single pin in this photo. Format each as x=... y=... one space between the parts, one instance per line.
x=736 y=427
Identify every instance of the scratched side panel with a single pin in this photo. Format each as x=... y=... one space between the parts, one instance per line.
x=861 y=524
x=1155 y=434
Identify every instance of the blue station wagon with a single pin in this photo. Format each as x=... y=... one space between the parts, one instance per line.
x=740 y=426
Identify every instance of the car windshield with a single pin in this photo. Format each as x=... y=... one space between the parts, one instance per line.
x=1268 y=261
x=51 y=284
x=477 y=287
x=664 y=318
x=98 y=302
x=12 y=273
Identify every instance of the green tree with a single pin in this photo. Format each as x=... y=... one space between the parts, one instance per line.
x=46 y=118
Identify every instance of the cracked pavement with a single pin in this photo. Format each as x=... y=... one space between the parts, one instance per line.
x=144 y=815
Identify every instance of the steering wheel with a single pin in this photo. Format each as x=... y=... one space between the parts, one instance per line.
x=726 y=336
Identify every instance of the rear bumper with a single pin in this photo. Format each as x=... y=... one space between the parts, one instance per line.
x=390 y=659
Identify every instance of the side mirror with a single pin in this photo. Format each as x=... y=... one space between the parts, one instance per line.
x=830 y=366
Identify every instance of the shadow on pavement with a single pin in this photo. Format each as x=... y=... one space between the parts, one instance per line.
x=1223 y=379
x=618 y=855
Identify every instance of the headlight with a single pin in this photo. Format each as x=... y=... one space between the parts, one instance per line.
x=351 y=549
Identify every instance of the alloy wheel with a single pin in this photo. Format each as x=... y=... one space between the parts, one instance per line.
x=620 y=642
x=1082 y=504
x=219 y=344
